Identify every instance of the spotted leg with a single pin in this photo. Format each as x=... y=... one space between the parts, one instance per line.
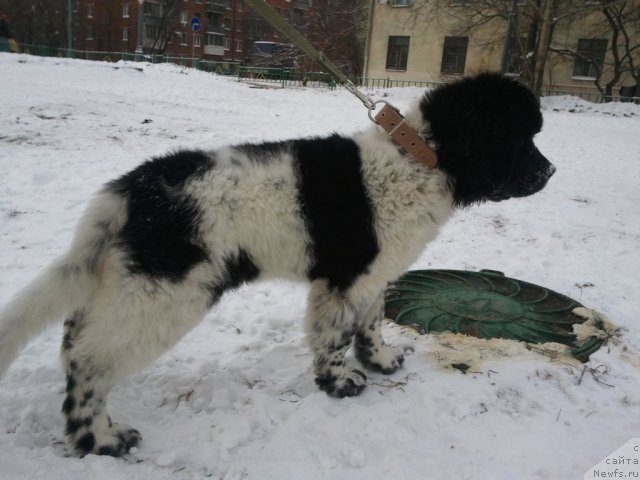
x=369 y=345
x=330 y=328
x=89 y=427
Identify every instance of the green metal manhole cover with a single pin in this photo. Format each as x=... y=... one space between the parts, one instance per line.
x=486 y=304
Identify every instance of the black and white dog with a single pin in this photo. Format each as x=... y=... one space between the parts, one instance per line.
x=158 y=247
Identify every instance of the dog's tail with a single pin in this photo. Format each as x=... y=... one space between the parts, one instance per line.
x=67 y=284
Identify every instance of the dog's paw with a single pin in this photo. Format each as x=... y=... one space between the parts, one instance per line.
x=115 y=442
x=348 y=385
x=385 y=359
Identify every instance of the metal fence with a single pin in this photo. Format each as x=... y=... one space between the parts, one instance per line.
x=289 y=77
x=222 y=68
x=591 y=96
x=285 y=77
x=282 y=77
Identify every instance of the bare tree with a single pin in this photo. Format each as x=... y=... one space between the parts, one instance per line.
x=335 y=27
x=619 y=24
x=338 y=28
x=161 y=17
x=38 y=22
x=533 y=25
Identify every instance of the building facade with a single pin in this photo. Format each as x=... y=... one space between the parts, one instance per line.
x=226 y=33
x=414 y=42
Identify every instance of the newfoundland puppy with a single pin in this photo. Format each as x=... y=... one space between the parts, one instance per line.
x=158 y=247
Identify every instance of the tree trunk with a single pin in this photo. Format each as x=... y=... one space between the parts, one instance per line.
x=547 y=25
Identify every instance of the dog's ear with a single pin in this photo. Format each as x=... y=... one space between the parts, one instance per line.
x=477 y=123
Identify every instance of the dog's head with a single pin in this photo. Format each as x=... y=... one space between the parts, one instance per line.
x=484 y=128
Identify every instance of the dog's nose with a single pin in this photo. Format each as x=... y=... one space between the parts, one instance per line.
x=551 y=170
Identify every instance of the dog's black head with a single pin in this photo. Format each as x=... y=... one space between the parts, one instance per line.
x=484 y=127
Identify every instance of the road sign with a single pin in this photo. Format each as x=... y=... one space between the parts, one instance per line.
x=195 y=24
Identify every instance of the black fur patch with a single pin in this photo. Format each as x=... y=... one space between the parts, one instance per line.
x=71 y=383
x=67 y=343
x=239 y=268
x=262 y=152
x=71 y=327
x=479 y=123
x=161 y=234
x=327 y=383
x=68 y=405
x=336 y=208
x=73 y=425
x=86 y=443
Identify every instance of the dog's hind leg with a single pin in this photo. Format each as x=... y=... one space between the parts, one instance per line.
x=369 y=345
x=89 y=427
x=330 y=326
x=114 y=337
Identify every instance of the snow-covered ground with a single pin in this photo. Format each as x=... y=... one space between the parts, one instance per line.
x=236 y=398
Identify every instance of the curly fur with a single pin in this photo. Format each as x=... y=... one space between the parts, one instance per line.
x=157 y=247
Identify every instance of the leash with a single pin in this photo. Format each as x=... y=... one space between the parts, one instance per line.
x=389 y=117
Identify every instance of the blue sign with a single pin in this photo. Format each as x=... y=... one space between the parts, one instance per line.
x=195 y=24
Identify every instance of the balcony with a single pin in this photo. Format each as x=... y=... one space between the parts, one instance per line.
x=215 y=6
x=213 y=50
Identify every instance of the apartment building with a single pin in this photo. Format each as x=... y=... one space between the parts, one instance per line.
x=227 y=29
x=429 y=41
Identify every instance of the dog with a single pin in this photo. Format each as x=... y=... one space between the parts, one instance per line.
x=158 y=247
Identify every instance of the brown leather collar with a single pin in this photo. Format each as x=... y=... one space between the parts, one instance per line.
x=390 y=119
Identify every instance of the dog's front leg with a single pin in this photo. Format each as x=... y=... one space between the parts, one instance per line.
x=370 y=348
x=330 y=326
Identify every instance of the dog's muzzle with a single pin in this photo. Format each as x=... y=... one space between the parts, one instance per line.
x=531 y=175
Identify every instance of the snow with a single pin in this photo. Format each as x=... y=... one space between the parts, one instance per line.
x=236 y=398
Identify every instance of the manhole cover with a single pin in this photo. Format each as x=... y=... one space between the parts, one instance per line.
x=486 y=304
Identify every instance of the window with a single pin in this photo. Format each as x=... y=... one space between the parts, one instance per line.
x=590 y=57
x=215 y=40
x=125 y=34
x=197 y=40
x=125 y=10
x=454 y=55
x=182 y=36
x=227 y=43
x=91 y=33
x=184 y=16
x=152 y=9
x=238 y=45
x=150 y=32
x=397 y=53
x=403 y=3
x=90 y=10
